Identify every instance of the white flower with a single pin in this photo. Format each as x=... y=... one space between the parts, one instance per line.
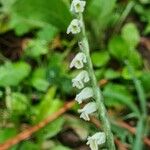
x=77 y=6
x=86 y=93
x=87 y=110
x=74 y=27
x=78 y=61
x=80 y=79
x=96 y=140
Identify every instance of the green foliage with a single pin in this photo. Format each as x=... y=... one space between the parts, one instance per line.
x=35 y=48
x=35 y=80
x=116 y=95
x=48 y=105
x=45 y=12
x=13 y=73
x=111 y=74
x=143 y=13
x=47 y=33
x=53 y=128
x=100 y=58
x=7 y=133
x=118 y=48
x=101 y=10
x=18 y=103
x=123 y=47
x=38 y=79
x=131 y=35
x=60 y=147
x=145 y=78
x=126 y=74
x=29 y=146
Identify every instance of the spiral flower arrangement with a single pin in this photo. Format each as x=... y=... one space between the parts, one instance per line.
x=91 y=94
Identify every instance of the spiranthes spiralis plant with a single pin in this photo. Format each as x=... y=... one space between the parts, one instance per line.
x=90 y=94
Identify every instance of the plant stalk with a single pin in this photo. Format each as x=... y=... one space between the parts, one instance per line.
x=97 y=92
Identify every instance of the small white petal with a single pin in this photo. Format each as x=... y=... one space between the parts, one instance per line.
x=78 y=61
x=74 y=27
x=77 y=6
x=87 y=110
x=96 y=140
x=85 y=116
x=80 y=79
x=86 y=93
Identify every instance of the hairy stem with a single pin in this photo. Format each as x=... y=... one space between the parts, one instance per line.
x=97 y=92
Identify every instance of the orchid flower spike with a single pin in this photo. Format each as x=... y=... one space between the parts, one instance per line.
x=74 y=27
x=87 y=110
x=77 y=6
x=96 y=140
x=85 y=94
x=80 y=79
x=78 y=61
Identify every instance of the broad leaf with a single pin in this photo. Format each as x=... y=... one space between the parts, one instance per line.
x=118 y=48
x=131 y=35
x=17 y=103
x=100 y=58
x=6 y=133
x=116 y=95
x=53 y=12
x=11 y=74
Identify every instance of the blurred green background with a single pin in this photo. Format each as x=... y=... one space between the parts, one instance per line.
x=35 y=79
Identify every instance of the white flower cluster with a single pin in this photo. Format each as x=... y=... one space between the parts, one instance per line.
x=80 y=81
x=75 y=26
x=95 y=140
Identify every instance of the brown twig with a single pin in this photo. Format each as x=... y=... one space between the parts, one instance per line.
x=103 y=82
x=120 y=145
x=133 y=131
x=28 y=132
x=126 y=126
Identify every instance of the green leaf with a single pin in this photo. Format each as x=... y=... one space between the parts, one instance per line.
x=17 y=103
x=138 y=144
x=100 y=58
x=48 y=105
x=36 y=48
x=53 y=128
x=135 y=59
x=145 y=78
x=51 y=12
x=38 y=80
x=147 y=29
x=47 y=33
x=131 y=35
x=6 y=133
x=11 y=74
x=40 y=84
x=1 y=94
x=118 y=48
x=20 y=24
x=111 y=74
x=116 y=95
x=100 y=73
x=60 y=147
x=100 y=10
x=28 y=145
x=126 y=75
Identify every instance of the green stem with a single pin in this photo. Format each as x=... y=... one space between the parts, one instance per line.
x=140 y=129
x=139 y=89
x=124 y=15
x=97 y=92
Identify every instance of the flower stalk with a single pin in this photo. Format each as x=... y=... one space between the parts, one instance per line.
x=83 y=61
x=97 y=92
